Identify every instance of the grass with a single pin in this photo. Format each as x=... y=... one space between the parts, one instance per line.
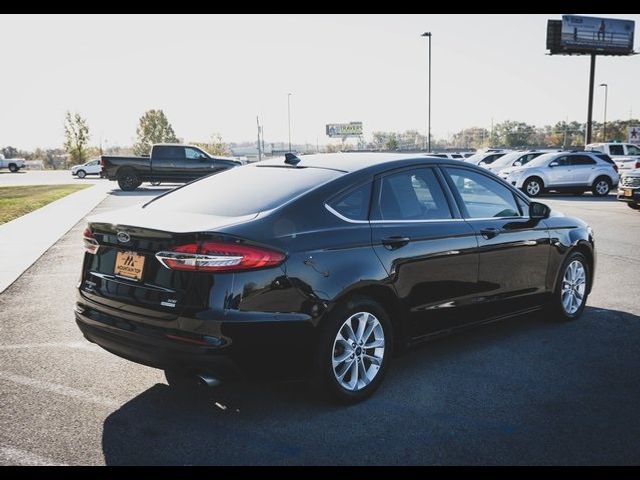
x=16 y=201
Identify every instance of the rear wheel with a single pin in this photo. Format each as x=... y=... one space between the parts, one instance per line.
x=81 y=174
x=570 y=296
x=13 y=168
x=601 y=187
x=532 y=186
x=128 y=180
x=635 y=206
x=354 y=350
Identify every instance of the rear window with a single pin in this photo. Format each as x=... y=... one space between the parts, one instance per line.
x=243 y=190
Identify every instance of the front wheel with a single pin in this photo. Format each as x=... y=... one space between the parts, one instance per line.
x=570 y=296
x=81 y=174
x=601 y=187
x=532 y=187
x=354 y=350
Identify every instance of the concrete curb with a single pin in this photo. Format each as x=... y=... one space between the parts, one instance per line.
x=25 y=239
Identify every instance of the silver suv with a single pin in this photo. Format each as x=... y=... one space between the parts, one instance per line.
x=574 y=172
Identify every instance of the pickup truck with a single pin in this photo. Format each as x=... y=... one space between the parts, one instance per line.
x=168 y=162
x=13 y=164
x=625 y=155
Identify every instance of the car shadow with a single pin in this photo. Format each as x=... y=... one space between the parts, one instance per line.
x=459 y=399
x=141 y=192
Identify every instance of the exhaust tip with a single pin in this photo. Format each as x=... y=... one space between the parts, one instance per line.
x=208 y=381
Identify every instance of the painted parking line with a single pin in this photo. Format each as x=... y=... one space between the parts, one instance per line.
x=15 y=456
x=59 y=389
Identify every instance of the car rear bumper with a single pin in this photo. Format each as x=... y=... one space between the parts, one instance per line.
x=243 y=349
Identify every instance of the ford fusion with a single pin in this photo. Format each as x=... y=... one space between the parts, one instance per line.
x=321 y=267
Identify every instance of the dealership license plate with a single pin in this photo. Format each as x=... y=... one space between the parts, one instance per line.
x=129 y=265
x=628 y=192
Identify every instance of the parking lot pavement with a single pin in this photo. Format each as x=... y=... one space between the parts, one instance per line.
x=44 y=177
x=524 y=391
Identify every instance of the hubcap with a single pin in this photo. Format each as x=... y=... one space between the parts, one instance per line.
x=574 y=285
x=533 y=188
x=358 y=351
x=602 y=187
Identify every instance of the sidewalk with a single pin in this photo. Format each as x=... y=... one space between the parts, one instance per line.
x=25 y=239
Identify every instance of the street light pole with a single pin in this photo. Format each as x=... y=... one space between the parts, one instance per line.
x=428 y=34
x=604 y=123
x=289 y=117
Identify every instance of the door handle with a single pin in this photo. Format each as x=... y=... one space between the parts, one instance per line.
x=395 y=241
x=490 y=232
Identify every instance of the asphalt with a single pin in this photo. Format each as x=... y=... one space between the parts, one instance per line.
x=524 y=391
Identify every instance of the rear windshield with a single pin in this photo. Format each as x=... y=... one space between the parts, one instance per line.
x=243 y=190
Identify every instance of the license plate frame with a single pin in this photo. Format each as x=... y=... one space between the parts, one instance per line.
x=129 y=265
x=628 y=192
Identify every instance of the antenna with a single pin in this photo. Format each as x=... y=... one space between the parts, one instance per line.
x=291 y=159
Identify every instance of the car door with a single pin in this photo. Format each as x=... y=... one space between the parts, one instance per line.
x=197 y=163
x=166 y=162
x=558 y=172
x=513 y=248
x=429 y=252
x=582 y=169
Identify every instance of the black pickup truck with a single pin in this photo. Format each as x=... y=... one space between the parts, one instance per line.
x=168 y=162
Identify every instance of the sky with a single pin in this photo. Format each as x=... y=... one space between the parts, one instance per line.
x=215 y=73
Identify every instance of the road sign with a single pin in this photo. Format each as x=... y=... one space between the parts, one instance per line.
x=633 y=134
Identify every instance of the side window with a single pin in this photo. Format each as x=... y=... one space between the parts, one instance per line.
x=616 y=150
x=456 y=155
x=412 y=195
x=169 y=152
x=194 y=154
x=563 y=161
x=354 y=204
x=582 y=160
x=633 y=150
x=482 y=196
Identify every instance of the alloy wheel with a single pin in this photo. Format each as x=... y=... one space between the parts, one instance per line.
x=574 y=285
x=533 y=188
x=602 y=187
x=358 y=351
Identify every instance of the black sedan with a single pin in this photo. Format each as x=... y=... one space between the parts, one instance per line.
x=321 y=267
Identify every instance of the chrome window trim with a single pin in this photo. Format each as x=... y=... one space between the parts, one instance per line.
x=430 y=220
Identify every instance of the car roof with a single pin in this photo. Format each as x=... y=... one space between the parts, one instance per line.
x=351 y=162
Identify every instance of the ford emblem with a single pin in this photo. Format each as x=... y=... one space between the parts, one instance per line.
x=123 y=237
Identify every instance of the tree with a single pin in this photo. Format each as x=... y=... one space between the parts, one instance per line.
x=153 y=127
x=215 y=146
x=514 y=134
x=9 y=152
x=76 y=137
x=392 y=143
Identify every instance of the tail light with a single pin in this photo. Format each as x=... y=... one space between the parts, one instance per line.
x=218 y=257
x=90 y=243
x=637 y=164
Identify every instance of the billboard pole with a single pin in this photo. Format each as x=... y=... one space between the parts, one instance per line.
x=590 y=109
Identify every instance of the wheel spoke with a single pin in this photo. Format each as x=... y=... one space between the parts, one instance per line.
x=353 y=381
x=347 y=367
x=350 y=335
x=367 y=332
x=377 y=343
x=341 y=358
x=362 y=323
x=373 y=359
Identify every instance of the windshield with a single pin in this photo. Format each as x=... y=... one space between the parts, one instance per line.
x=541 y=160
x=507 y=159
x=243 y=190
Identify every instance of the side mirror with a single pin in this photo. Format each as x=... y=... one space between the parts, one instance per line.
x=554 y=164
x=538 y=210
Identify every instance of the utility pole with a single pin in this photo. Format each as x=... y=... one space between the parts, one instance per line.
x=604 y=123
x=259 y=141
x=592 y=73
x=428 y=35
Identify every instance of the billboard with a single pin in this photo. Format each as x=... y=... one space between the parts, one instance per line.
x=341 y=130
x=597 y=35
x=633 y=134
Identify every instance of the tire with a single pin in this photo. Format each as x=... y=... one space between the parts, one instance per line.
x=350 y=389
x=601 y=187
x=557 y=307
x=128 y=180
x=81 y=174
x=533 y=186
x=635 y=206
x=13 y=168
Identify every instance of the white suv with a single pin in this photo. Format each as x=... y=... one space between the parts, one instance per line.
x=573 y=172
x=92 y=167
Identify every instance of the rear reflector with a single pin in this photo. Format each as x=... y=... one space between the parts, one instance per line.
x=90 y=243
x=218 y=257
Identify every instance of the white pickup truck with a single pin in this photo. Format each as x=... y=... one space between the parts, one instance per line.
x=626 y=155
x=13 y=164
